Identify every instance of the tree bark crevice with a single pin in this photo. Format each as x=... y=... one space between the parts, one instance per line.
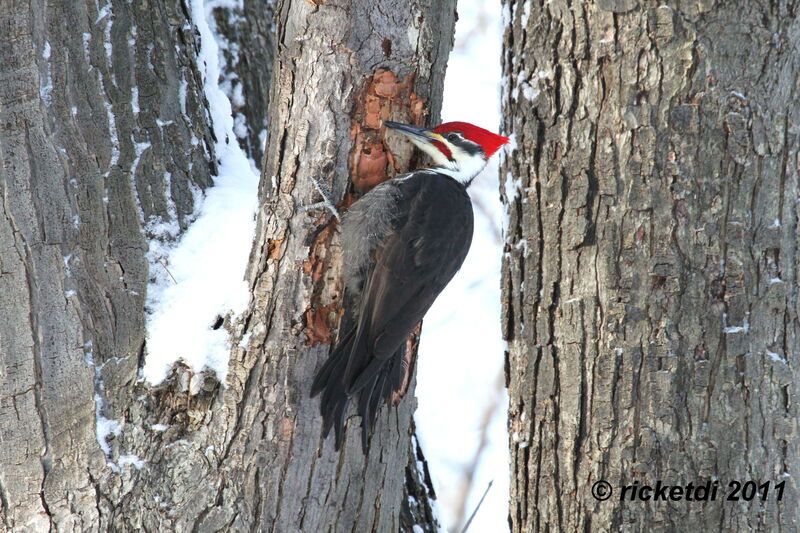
x=104 y=130
x=661 y=159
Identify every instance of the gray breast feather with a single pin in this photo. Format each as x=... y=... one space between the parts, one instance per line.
x=365 y=225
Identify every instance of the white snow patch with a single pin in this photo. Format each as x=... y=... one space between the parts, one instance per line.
x=159 y=427
x=511 y=145
x=112 y=131
x=240 y=126
x=523 y=245
x=106 y=13
x=413 y=35
x=775 y=357
x=134 y=460
x=104 y=426
x=69 y=294
x=87 y=38
x=139 y=149
x=505 y=14
x=744 y=328
x=238 y=95
x=204 y=275
x=529 y=92
x=101 y=14
x=773 y=281
x=135 y=99
x=171 y=209
x=776 y=223
x=513 y=187
x=734 y=329
x=46 y=88
x=245 y=340
x=150 y=49
x=182 y=97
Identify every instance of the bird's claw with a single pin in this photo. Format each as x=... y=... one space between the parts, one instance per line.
x=327 y=200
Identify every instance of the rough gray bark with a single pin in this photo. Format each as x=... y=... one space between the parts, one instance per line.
x=81 y=172
x=339 y=70
x=249 y=52
x=650 y=285
x=103 y=128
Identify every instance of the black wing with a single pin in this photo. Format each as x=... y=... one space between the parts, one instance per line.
x=431 y=238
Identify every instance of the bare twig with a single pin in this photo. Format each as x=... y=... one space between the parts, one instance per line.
x=466 y=526
x=164 y=264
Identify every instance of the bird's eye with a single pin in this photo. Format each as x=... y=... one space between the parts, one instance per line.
x=453 y=136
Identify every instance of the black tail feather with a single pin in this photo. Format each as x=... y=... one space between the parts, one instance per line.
x=395 y=374
x=329 y=382
x=339 y=414
x=379 y=384
x=367 y=416
x=335 y=364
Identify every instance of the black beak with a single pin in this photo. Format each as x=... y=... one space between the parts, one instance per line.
x=415 y=132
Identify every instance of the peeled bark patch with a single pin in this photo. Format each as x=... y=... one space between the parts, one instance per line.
x=384 y=97
x=104 y=127
x=326 y=289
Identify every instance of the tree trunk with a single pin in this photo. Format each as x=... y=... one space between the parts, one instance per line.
x=249 y=51
x=104 y=128
x=92 y=119
x=650 y=284
x=338 y=72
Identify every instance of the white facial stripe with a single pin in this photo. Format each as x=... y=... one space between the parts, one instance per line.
x=435 y=154
x=463 y=166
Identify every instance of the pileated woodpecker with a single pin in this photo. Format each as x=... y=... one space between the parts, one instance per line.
x=403 y=242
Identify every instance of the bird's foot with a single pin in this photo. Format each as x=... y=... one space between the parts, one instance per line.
x=327 y=200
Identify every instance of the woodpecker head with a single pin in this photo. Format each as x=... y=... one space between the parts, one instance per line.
x=457 y=148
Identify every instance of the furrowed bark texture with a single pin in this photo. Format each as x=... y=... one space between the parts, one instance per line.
x=340 y=68
x=96 y=139
x=248 y=49
x=104 y=129
x=650 y=282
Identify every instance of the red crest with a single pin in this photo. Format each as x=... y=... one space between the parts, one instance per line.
x=490 y=142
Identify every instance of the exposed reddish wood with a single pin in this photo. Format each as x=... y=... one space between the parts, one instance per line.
x=320 y=317
x=286 y=429
x=384 y=97
x=412 y=344
x=318 y=320
x=275 y=249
